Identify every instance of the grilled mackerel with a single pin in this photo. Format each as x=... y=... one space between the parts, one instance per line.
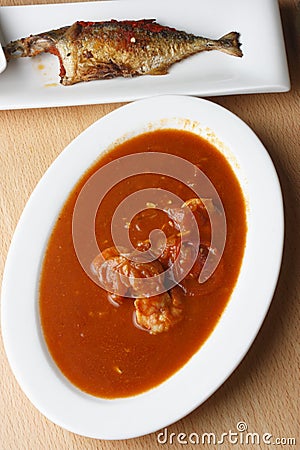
x=98 y=50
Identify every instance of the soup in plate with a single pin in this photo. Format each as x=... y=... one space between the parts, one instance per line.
x=139 y=310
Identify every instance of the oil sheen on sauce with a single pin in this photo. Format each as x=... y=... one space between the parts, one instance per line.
x=96 y=345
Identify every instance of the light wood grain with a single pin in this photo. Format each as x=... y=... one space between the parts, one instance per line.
x=264 y=390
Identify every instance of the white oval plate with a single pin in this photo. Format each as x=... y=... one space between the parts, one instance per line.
x=34 y=369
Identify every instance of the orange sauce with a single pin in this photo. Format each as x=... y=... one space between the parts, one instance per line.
x=96 y=345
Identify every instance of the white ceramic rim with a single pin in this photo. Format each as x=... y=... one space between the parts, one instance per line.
x=131 y=417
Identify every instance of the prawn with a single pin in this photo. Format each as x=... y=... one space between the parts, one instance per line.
x=159 y=313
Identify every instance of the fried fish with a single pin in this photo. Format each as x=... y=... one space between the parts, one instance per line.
x=98 y=50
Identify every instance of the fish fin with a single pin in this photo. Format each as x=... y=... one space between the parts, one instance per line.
x=229 y=43
x=73 y=31
x=161 y=70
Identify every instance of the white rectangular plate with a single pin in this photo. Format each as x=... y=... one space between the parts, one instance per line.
x=34 y=82
x=3 y=62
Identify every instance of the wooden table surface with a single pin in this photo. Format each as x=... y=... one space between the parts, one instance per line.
x=264 y=390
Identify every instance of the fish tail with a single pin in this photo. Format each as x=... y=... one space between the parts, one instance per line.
x=229 y=43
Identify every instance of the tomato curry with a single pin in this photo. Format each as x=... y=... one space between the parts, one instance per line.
x=111 y=346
